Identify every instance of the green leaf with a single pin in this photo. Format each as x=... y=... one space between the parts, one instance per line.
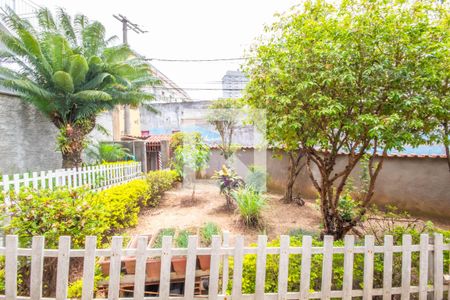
x=63 y=81
x=91 y=95
x=78 y=69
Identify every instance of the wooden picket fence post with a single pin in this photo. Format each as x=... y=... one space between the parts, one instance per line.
x=219 y=268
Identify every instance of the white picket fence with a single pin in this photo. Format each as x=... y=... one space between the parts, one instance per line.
x=96 y=177
x=431 y=274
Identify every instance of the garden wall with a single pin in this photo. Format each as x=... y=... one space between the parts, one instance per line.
x=28 y=139
x=420 y=185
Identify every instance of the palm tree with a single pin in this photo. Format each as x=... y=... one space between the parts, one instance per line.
x=70 y=72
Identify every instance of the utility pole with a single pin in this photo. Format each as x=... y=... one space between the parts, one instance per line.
x=127 y=24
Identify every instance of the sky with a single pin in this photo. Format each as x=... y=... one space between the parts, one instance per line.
x=186 y=29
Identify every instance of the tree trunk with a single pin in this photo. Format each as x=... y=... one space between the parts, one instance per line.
x=293 y=171
x=72 y=141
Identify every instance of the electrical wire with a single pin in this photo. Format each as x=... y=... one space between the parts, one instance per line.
x=196 y=60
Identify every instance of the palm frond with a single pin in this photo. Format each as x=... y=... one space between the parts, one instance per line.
x=92 y=95
x=65 y=22
x=97 y=81
x=45 y=20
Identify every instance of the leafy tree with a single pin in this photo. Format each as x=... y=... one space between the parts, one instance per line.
x=224 y=116
x=70 y=72
x=191 y=157
x=354 y=78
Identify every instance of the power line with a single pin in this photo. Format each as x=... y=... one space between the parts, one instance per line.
x=195 y=89
x=196 y=60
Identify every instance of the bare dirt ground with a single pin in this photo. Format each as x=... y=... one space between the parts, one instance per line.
x=177 y=211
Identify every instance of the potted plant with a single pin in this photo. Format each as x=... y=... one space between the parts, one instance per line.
x=179 y=262
x=153 y=269
x=130 y=261
x=206 y=234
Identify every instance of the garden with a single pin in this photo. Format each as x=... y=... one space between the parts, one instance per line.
x=355 y=79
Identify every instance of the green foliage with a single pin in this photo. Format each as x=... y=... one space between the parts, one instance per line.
x=69 y=71
x=294 y=268
x=159 y=182
x=53 y=213
x=75 y=288
x=107 y=152
x=182 y=239
x=249 y=205
x=163 y=232
x=331 y=80
x=228 y=181
x=224 y=116
x=208 y=231
x=191 y=155
x=256 y=179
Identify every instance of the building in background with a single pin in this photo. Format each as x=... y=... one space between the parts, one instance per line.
x=233 y=82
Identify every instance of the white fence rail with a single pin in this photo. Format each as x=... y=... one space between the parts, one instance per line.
x=96 y=177
x=430 y=278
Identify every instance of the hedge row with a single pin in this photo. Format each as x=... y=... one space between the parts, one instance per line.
x=81 y=212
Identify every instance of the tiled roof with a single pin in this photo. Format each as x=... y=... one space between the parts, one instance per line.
x=157 y=138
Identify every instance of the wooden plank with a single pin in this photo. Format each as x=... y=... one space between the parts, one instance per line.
x=283 y=267
x=43 y=177
x=387 y=267
x=406 y=267
x=191 y=262
x=225 y=264
x=89 y=268
x=261 y=257
x=141 y=258
x=423 y=270
x=306 y=267
x=34 y=178
x=12 y=245
x=166 y=262
x=349 y=245
x=16 y=183
x=115 y=267
x=327 y=266
x=62 y=273
x=213 y=288
x=369 y=243
x=37 y=266
x=438 y=266
x=237 y=268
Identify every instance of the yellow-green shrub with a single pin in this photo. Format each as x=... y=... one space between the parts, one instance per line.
x=121 y=203
x=159 y=182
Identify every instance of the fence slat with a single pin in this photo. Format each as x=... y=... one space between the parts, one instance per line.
x=283 y=267
x=406 y=266
x=62 y=273
x=237 y=268
x=213 y=289
x=327 y=266
x=11 y=266
x=349 y=245
x=306 y=267
x=89 y=268
x=140 y=265
x=37 y=266
x=115 y=267
x=261 y=257
x=387 y=267
x=438 y=266
x=423 y=270
x=166 y=258
x=225 y=268
x=369 y=242
x=191 y=260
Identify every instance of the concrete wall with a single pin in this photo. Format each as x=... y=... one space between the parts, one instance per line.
x=28 y=139
x=190 y=116
x=418 y=185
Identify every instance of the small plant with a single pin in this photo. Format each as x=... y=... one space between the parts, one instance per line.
x=249 y=205
x=182 y=239
x=228 y=182
x=207 y=232
x=256 y=179
x=163 y=232
x=107 y=152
